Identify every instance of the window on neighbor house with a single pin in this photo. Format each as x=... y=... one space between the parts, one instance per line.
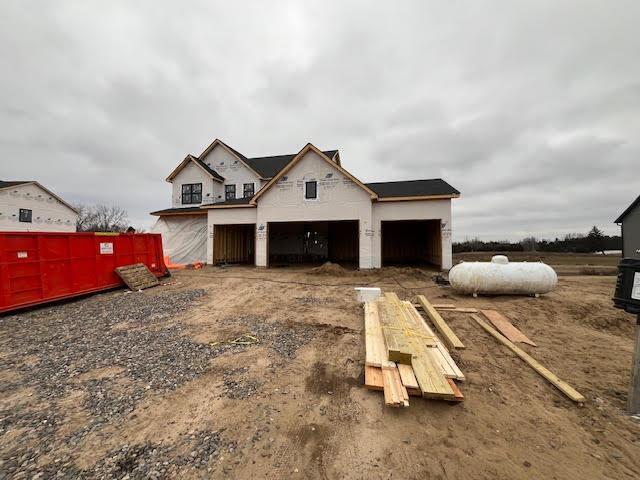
x=229 y=192
x=25 y=215
x=248 y=190
x=311 y=190
x=191 y=193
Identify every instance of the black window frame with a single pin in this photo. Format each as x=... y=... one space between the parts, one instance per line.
x=25 y=215
x=228 y=189
x=315 y=190
x=191 y=193
x=252 y=190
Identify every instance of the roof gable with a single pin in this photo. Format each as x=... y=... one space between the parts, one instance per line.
x=189 y=159
x=4 y=185
x=232 y=151
x=628 y=210
x=307 y=148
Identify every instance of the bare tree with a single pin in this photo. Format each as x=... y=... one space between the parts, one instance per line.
x=101 y=218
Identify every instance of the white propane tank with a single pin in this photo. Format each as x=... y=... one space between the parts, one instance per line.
x=499 y=276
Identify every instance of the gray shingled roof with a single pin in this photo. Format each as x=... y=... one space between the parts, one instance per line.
x=4 y=184
x=413 y=188
x=169 y=211
x=268 y=167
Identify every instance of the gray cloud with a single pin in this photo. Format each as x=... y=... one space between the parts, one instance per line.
x=531 y=109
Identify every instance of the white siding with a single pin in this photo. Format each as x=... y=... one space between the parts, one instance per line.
x=233 y=170
x=48 y=213
x=192 y=173
x=339 y=198
x=413 y=210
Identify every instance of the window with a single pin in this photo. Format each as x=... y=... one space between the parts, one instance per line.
x=248 y=190
x=25 y=215
x=191 y=193
x=311 y=190
x=229 y=192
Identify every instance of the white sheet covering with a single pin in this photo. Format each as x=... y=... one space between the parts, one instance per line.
x=184 y=237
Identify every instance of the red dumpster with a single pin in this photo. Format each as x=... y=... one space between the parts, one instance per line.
x=39 y=267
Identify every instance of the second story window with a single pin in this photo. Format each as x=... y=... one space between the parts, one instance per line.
x=191 y=193
x=229 y=192
x=311 y=190
x=248 y=190
x=25 y=215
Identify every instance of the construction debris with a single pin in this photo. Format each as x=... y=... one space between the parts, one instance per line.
x=403 y=355
x=137 y=276
x=561 y=385
x=505 y=327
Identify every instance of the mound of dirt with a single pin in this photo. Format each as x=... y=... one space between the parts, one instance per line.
x=329 y=268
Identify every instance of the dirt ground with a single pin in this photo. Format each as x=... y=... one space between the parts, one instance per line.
x=148 y=385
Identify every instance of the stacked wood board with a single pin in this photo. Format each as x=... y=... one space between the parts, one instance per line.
x=404 y=357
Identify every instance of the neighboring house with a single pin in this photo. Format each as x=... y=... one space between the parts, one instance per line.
x=29 y=207
x=306 y=207
x=629 y=220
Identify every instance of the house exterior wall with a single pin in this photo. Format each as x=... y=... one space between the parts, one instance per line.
x=233 y=170
x=631 y=234
x=48 y=213
x=413 y=210
x=226 y=216
x=192 y=173
x=339 y=198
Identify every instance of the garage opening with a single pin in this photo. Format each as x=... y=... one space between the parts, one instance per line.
x=314 y=242
x=411 y=242
x=234 y=244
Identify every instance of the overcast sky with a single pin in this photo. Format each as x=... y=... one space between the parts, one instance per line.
x=530 y=109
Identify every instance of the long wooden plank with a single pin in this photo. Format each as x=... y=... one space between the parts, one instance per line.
x=395 y=395
x=505 y=327
x=453 y=371
x=448 y=365
x=373 y=381
x=373 y=378
x=433 y=383
x=444 y=305
x=561 y=385
x=375 y=350
x=448 y=336
x=456 y=391
x=407 y=376
x=398 y=347
x=426 y=368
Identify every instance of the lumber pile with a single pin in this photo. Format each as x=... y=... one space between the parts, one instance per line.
x=404 y=357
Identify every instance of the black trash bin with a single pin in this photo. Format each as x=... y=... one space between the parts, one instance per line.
x=627 y=294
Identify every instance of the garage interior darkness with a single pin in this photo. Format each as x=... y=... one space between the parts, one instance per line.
x=411 y=242
x=314 y=242
x=234 y=244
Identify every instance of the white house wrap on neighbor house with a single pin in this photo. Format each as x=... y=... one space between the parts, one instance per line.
x=302 y=208
x=27 y=206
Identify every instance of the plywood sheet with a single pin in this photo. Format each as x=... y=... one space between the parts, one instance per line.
x=505 y=327
x=137 y=276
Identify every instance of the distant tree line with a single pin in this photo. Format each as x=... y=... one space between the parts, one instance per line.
x=594 y=241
